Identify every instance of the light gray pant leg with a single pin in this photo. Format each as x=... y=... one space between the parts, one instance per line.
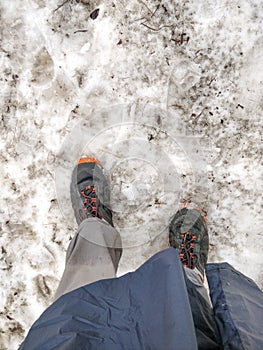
x=92 y=255
x=193 y=276
x=202 y=311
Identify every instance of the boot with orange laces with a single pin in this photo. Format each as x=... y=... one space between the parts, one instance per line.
x=90 y=192
x=189 y=236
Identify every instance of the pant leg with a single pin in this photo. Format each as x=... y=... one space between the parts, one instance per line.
x=145 y=309
x=238 y=306
x=194 y=277
x=204 y=321
x=92 y=255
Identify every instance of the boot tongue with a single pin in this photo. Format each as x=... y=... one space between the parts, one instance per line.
x=189 y=221
x=85 y=173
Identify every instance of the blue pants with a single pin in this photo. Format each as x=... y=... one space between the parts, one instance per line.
x=160 y=306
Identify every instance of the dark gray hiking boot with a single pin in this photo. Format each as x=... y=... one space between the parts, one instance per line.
x=189 y=236
x=90 y=192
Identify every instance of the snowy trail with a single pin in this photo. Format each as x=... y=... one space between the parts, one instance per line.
x=177 y=83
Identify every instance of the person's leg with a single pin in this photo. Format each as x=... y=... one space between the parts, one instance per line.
x=189 y=236
x=238 y=306
x=203 y=316
x=196 y=279
x=91 y=255
x=95 y=250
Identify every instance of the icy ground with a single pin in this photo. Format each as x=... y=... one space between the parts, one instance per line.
x=180 y=88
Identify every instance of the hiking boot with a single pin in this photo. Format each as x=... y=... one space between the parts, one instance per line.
x=90 y=191
x=189 y=236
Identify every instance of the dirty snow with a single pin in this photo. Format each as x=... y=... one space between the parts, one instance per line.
x=168 y=94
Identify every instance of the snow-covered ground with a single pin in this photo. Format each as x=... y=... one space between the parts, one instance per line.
x=168 y=94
